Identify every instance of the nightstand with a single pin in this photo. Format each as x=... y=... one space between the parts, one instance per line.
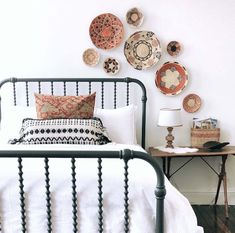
x=167 y=157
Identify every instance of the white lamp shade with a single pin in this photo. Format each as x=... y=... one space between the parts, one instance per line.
x=169 y=117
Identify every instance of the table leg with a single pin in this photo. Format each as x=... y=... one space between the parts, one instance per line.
x=164 y=164
x=223 y=177
x=168 y=175
x=225 y=195
x=218 y=189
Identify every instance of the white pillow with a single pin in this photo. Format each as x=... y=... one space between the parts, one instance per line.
x=11 y=120
x=119 y=123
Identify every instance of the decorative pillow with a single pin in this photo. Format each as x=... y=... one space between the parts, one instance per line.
x=62 y=131
x=120 y=123
x=54 y=107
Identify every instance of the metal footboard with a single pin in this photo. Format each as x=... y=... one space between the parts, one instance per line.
x=125 y=155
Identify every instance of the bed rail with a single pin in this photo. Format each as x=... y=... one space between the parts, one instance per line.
x=125 y=155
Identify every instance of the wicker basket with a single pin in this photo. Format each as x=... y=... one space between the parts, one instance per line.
x=200 y=136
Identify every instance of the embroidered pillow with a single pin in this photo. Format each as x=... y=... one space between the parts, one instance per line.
x=54 y=107
x=62 y=131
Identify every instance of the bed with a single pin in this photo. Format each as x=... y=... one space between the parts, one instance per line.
x=116 y=187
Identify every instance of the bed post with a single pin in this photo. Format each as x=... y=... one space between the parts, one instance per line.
x=160 y=190
x=13 y=80
x=144 y=100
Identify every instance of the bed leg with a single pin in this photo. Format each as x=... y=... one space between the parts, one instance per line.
x=126 y=198
x=48 y=196
x=160 y=193
x=100 y=197
x=22 y=198
x=74 y=196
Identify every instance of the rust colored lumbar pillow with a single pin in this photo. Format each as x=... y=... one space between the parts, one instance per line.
x=51 y=107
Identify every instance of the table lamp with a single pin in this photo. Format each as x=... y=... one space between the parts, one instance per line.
x=169 y=118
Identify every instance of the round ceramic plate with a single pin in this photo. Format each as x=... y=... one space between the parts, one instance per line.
x=91 y=57
x=142 y=50
x=134 y=17
x=174 y=48
x=191 y=103
x=171 y=78
x=111 y=66
x=106 y=31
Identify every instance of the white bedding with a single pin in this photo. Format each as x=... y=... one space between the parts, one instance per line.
x=179 y=216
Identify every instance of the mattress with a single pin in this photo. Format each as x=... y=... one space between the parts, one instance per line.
x=178 y=214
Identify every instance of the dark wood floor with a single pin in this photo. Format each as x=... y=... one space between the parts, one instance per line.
x=212 y=218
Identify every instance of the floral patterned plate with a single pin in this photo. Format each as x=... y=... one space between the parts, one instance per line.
x=91 y=57
x=171 y=78
x=134 y=17
x=111 y=66
x=106 y=31
x=192 y=103
x=142 y=50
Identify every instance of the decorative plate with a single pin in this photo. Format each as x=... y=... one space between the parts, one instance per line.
x=111 y=66
x=142 y=50
x=106 y=31
x=91 y=57
x=134 y=17
x=191 y=103
x=171 y=78
x=174 y=48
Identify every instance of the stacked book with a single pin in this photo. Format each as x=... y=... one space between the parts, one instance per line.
x=204 y=123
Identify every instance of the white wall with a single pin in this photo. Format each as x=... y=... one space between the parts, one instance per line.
x=46 y=38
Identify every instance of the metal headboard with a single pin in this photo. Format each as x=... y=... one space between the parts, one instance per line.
x=125 y=155
x=89 y=81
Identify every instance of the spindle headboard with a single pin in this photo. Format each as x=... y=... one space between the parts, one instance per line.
x=90 y=83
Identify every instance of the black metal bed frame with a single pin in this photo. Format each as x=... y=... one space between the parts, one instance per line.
x=125 y=155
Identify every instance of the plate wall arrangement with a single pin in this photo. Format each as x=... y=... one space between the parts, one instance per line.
x=91 y=57
x=111 y=66
x=134 y=17
x=174 y=48
x=171 y=78
x=106 y=31
x=192 y=103
x=142 y=50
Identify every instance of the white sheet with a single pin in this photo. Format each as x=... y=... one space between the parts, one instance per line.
x=179 y=216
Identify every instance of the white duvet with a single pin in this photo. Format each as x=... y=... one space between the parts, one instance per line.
x=178 y=214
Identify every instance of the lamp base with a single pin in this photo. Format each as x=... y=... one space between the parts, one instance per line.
x=170 y=138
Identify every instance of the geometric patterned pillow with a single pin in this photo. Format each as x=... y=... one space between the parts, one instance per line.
x=51 y=107
x=62 y=131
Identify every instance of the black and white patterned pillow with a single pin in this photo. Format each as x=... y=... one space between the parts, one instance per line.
x=62 y=131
